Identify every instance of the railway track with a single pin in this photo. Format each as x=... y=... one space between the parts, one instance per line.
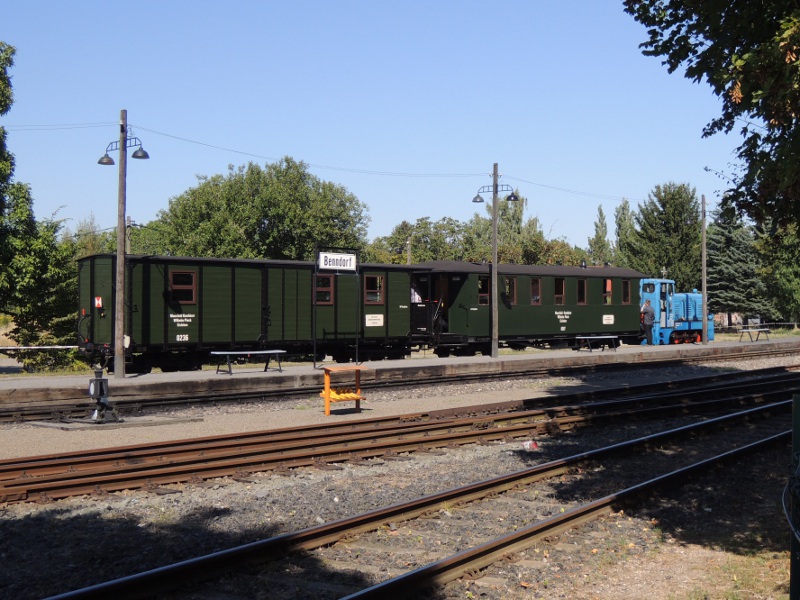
x=11 y=412
x=152 y=466
x=464 y=536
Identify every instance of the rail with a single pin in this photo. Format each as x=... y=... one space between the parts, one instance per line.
x=170 y=577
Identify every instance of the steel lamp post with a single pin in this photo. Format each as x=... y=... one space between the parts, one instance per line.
x=495 y=188
x=125 y=141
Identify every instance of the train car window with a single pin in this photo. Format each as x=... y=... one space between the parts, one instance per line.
x=581 y=291
x=626 y=291
x=510 y=291
x=373 y=289
x=649 y=288
x=607 y=291
x=559 y=295
x=182 y=287
x=536 y=286
x=323 y=289
x=483 y=290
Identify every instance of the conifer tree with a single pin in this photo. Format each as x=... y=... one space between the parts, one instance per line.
x=667 y=236
x=625 y=228
x=599 y=248
x=734 y=284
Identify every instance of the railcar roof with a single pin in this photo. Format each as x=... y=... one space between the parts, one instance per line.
x=454 y=266
x=433 y=266
x=197 y=260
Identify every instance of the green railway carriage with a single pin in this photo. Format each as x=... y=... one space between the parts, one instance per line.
x=179 y=309
x=538 y=305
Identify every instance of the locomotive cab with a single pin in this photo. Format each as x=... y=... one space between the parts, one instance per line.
x=678 y=316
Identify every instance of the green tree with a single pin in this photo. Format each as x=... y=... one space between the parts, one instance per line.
x=734 y=266
x=439 y=240
x=6 y=171
x=599 y=249
x=625 y=230
x=391 y=249
x=478 y=239
x=42 y=302
x=281 y=211
x=668 y=235
x=518 y=240
x=749 y=53
x=780 y=252
x=88 y=239
x=37 y=273
x=533 y=244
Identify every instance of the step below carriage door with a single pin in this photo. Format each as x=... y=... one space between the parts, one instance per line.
x=420 y=304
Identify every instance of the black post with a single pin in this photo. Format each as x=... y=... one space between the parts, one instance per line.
x=794 y=547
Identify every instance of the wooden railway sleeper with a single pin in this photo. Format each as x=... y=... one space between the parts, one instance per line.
x=512 y=558
x=323 y=465
x=473 y=574
x=431 y=451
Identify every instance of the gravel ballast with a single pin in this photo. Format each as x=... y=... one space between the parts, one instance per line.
x=53 y=548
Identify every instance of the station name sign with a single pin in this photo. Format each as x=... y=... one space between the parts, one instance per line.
x=337 y=261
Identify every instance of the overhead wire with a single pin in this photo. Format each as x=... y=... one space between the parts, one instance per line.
x=54 y=127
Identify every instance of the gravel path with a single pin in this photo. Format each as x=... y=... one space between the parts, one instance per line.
x=669 y=554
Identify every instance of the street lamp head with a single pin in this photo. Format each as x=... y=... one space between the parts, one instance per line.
x=512 y=197
x=106 y=160
x=140 y=153
x=477 y=199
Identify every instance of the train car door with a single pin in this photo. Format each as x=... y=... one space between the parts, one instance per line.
x=441 y=303
x=666 y=297
x=420 y=304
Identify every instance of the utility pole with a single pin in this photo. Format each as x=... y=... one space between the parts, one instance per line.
x=704 y=282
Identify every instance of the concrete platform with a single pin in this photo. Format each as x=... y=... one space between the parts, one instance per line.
x=251 y=379
x=126 y=423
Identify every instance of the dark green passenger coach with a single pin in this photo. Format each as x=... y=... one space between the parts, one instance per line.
x=177 y=310
x=538 y=305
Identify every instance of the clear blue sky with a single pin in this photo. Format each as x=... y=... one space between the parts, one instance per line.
x=406 y=104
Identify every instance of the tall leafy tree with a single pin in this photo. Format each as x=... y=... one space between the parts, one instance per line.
x=43 y=298
x=6 y=170
x=734 y=266
x=780 y=252
x=392 y=248
x=430 y=240
x=600 y=251
x=280 y=211
x=87 y=239
x=749 y=53
x=478 y=232
x=520 y=240
x=667 y=235
x=37 y=275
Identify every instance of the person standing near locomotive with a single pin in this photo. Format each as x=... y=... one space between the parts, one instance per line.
x=648 y=320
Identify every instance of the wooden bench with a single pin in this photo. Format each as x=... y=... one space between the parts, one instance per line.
x=330 y=394
x=268 y=353
x=612 y=341
x=757 y=331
